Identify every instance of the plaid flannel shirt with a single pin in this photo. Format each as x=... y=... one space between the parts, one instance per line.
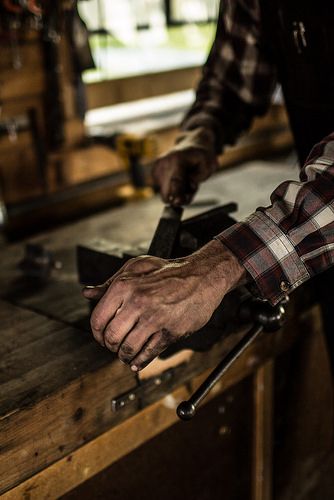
x=285 y=244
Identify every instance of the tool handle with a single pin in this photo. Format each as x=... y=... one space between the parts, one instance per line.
x=187 y=409
x=166 y=232
x=266 y=318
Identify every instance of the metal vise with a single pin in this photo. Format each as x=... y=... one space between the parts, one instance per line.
x=175 y=238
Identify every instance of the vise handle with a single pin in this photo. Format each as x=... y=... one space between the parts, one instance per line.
x=266 y=318
x=165 y=235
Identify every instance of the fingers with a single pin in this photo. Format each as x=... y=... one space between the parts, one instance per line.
x=117 y=331
x=153 y=347
x=178 y=175
x=95 y=292
x=139 y=265
x=135 y=341
x=177 y=193
x=104 y=312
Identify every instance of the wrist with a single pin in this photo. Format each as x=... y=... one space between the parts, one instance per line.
x=200 y=137
x=222 y=266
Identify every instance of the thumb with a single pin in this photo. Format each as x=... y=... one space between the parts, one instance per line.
x=177 y=188
x=95 y=292
x=141 y=265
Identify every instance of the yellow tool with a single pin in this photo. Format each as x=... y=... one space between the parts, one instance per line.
x=136 y=150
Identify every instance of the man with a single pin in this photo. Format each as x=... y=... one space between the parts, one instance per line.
x=152 y=302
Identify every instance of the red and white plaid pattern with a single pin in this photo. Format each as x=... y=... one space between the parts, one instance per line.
x=292 y=240
x=238 y=79
x=285 y=244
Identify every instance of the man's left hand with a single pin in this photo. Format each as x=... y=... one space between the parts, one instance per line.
x=152 y=302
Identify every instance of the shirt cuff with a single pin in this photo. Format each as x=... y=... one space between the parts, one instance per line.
x=267 y=254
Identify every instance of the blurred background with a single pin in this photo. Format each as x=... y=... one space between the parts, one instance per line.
x=90 y=92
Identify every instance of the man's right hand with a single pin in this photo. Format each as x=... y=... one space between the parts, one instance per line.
x=178 y=173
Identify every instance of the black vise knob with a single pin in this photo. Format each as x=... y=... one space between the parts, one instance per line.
x=271 y=318
x=264 y=317
x=186 y=410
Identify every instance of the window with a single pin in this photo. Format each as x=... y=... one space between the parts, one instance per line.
x=136 y=37
x=190 y=11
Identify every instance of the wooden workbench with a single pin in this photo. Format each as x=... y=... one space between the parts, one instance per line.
x=57 y=427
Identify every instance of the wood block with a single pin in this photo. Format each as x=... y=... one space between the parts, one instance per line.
x=24 y=82
x=110 y=92
x=56 y=386
x=20 y=179
x=31 y=56
x=20 y=106
x=84 y=164
x=74 y=132
x=201 y=456
x=23 y=140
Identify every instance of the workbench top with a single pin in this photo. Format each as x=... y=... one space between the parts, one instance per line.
x=56 y=383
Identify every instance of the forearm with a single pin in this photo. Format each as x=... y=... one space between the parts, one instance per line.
x=222 y=266
x=237 y=80
x=285 y=244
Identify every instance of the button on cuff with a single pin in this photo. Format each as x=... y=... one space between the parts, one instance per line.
x=285 y=286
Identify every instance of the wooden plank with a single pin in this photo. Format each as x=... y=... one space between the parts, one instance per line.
x=49 y=403
x=20 y=105
x=95 y=456
x=43 y=416
x=49 y=421
x=30 y=54
x=100 y=453
x=262 y=463
x=23 y=82
x=60 y=296
x=24 y=140
x=116 y=91
x=84 y=164
x=33 y=349
x=20 y=179
x=208 y=458
x=306 y=414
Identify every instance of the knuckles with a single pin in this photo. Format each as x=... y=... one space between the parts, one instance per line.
x=96 y=324
x=111 y=345
x=126 y=350
x=126 y=353
x=110 y=336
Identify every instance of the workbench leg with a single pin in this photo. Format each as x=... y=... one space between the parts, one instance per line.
x=262 y=433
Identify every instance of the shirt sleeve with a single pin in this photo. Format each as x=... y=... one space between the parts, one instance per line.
x=292 y=240
x=238 y=78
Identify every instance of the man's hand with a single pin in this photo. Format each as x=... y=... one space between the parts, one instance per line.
x=151 y=302
x=178 y=173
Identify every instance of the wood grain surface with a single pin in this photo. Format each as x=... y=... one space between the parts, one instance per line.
x=56 y=384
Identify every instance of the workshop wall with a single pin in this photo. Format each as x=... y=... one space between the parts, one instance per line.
x=47 y=157
x=22 y=93
x=41 y=123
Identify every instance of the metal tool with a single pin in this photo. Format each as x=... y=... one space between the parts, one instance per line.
x=174 y=238
x=134 y=149
x=165 y=235
x=38 y=262
x=267 y=319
